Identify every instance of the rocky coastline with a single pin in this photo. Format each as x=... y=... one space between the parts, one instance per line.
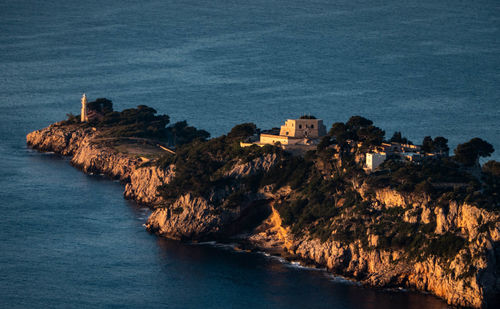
x=465 y=281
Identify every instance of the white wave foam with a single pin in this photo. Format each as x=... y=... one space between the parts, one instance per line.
x=206 y=243
x=340 y=279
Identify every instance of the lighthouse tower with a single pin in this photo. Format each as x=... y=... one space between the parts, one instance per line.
x=84 y=116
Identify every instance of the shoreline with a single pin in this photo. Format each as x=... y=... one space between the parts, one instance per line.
x=140 y=184
x=297 y=263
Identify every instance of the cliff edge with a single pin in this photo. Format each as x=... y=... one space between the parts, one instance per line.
x=310 y=210
x=92 y=154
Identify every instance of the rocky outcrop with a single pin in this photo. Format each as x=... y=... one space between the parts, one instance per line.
x=468 y=279
x=393 y=198
x=90 y=154
x=385 y=269
x=196 y=218
x=92 y=158
x=260 y=164
x=64 y=140
x=144 y=182
x=271 y=235
x=189 y=217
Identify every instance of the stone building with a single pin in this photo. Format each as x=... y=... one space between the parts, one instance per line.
x=296 y=134
x=304 y=130
x=304 y=127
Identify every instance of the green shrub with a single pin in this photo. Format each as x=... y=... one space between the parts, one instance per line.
x=235 y=199
x=446 y=246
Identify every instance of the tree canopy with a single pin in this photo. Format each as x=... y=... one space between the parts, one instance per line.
x=468 y=153
x=181 y=133
x=101 y=105
x=492 y=167
x=397 y=137
x=339 y=131
x=371 y=135
x=439 y=144
x=243 y=130
x=356 y=122
x=359 y=129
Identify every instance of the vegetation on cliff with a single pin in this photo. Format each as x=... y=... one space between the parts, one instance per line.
x=440 y=213
x=141 y=122
x=332 y=197
x=200 y=165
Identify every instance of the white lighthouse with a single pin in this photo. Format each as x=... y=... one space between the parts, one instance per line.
x=84 y=116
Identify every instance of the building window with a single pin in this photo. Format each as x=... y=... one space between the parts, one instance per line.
x=312 y=126
x=300 y=126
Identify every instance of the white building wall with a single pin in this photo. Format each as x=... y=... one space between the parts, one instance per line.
x=373 y=160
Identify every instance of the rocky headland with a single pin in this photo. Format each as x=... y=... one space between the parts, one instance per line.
x=377 y=234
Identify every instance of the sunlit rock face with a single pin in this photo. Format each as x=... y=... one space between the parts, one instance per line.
x=470 y=278
x=189 y=218
x=94 y=157
x=144 y=182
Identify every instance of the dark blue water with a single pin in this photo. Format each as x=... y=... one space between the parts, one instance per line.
x=70 y=240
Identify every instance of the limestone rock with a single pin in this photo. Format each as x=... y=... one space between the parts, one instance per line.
x=467 y=279
x=144 y=182
x=189 y=217
x=263 y=163
x=93 y=157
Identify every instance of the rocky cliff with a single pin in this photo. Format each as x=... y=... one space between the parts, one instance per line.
x=469 y=278
x=144 y=182
x=90 y=153
x=466 y=280
x=195 y=218
x=189 y=217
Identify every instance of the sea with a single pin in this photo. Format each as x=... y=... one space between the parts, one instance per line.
x=70 y=240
